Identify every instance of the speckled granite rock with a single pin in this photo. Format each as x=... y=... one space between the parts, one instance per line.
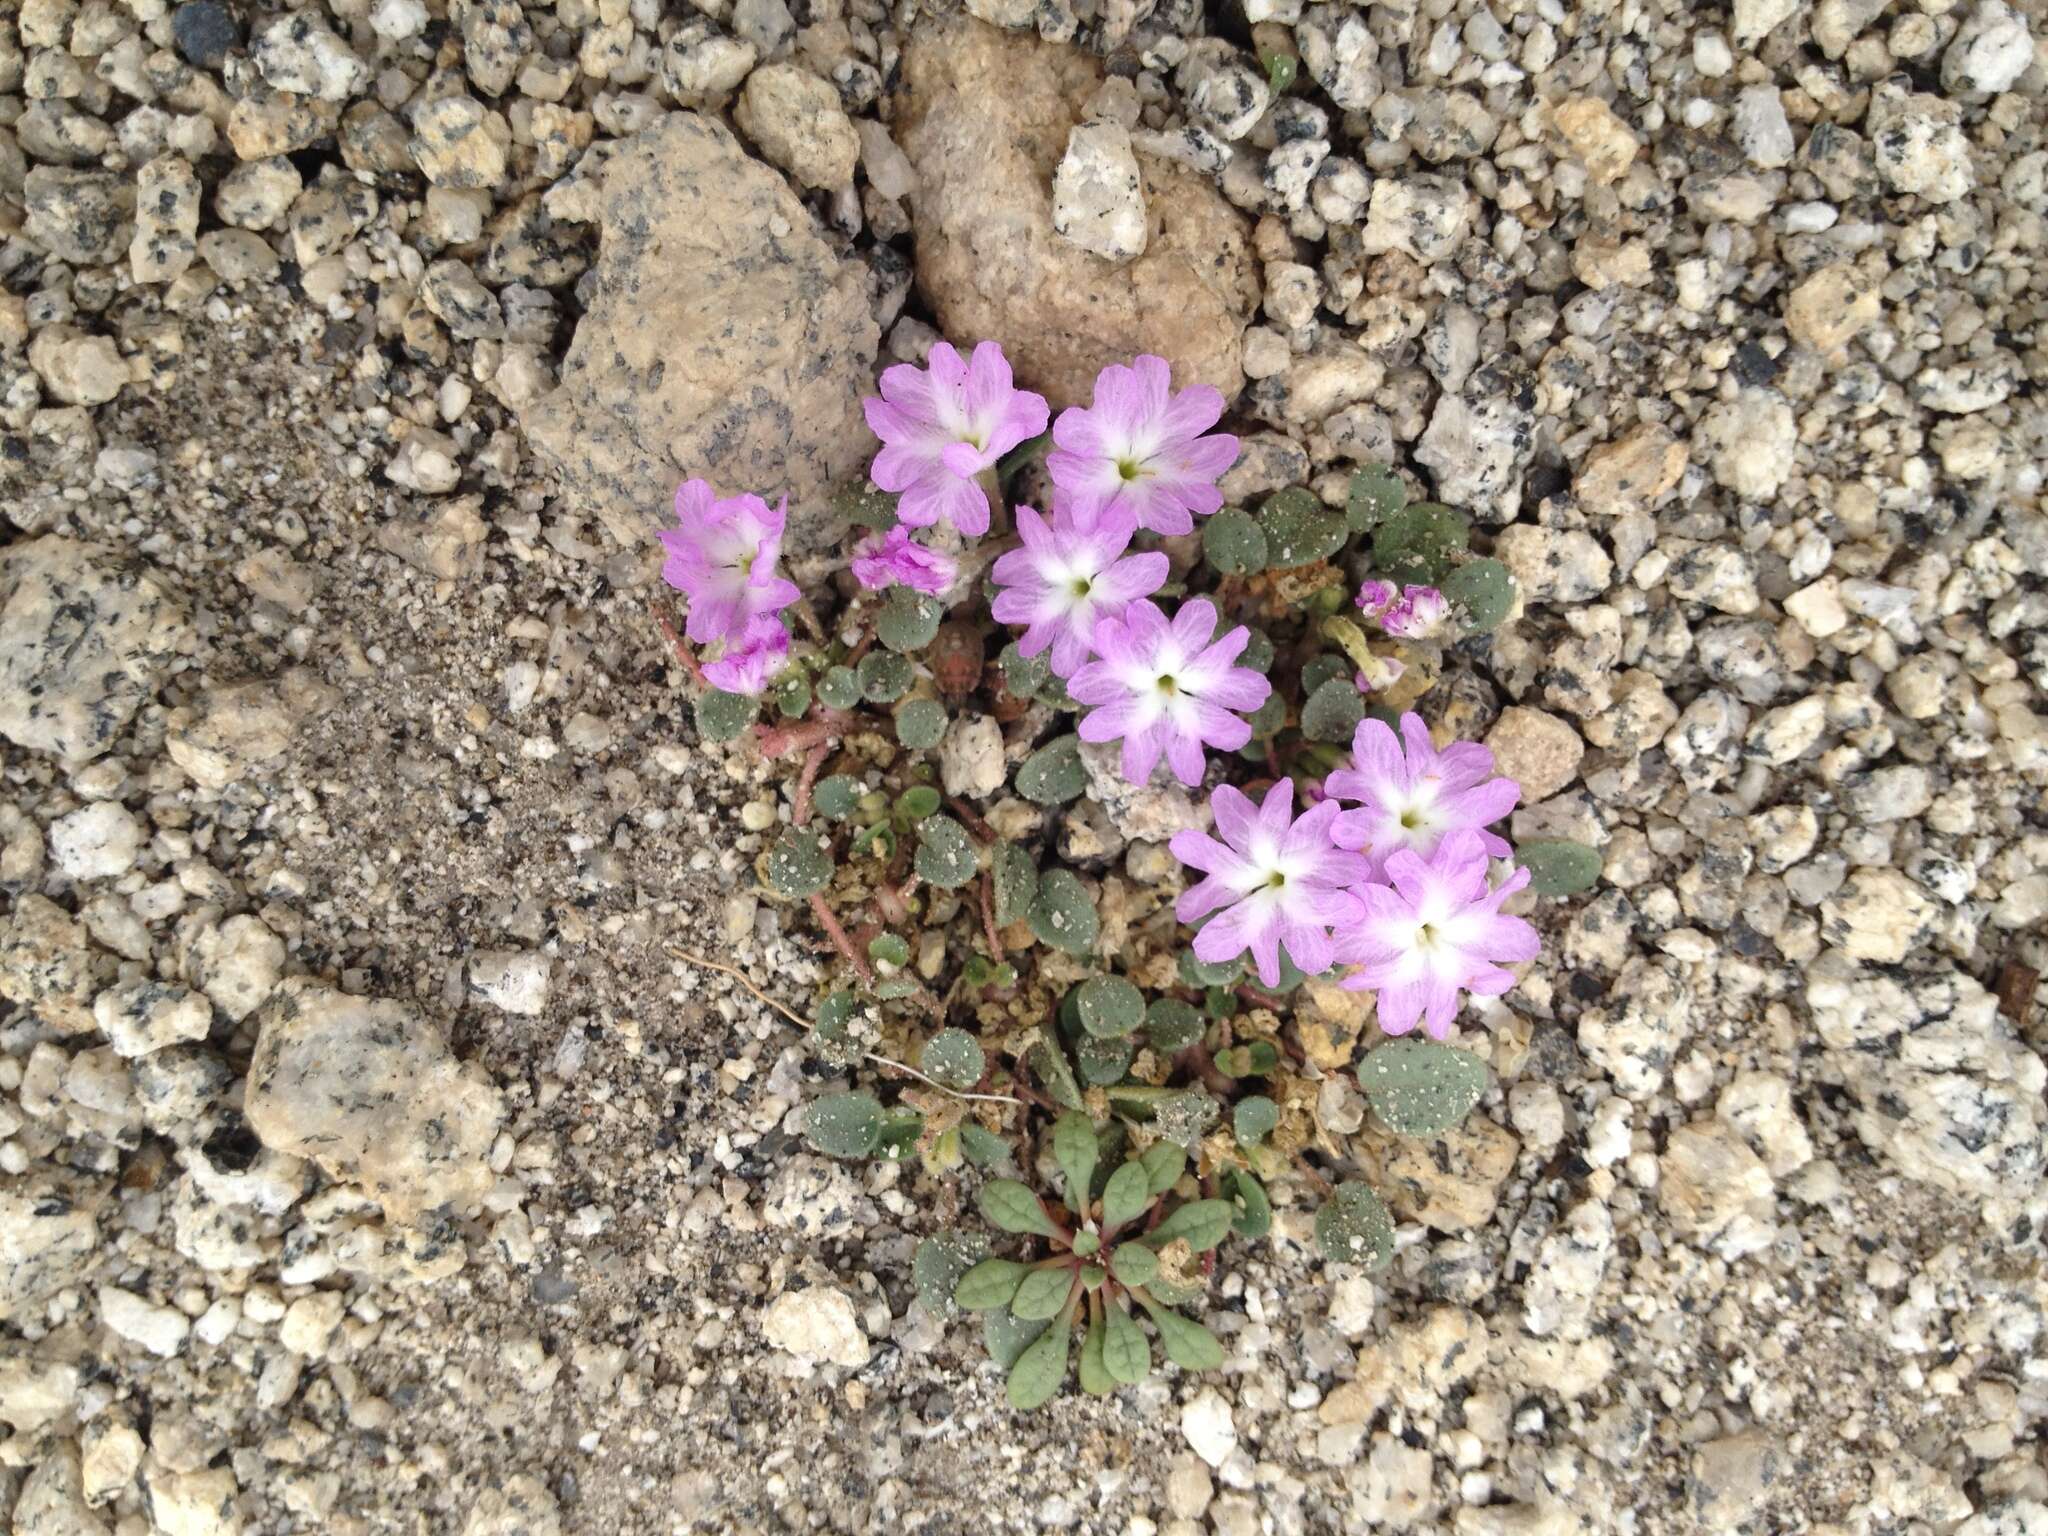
x=84 y=638
x=723 y=338
x=985 y=119
x=49 y=1235
x=364 y=1088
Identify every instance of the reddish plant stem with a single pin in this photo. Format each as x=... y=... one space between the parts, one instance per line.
x=1323 y=1185
x=676 y=644
x=988 y=917
x=1205 y=1065
x=981 y=830
x=800 y=807
x=827 y=725
x=840 y=941
x=893 y=910
x=1258 y=999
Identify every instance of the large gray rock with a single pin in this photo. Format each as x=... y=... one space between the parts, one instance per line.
x=85 y=637
x=49 y=1236
x=367 y=1090
x=724 y=339
x=985 y=118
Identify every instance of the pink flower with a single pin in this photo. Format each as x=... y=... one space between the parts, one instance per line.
x=1436 y=931
x=894 y=559
x=1140 y=448
x=722 y=555
x=1412 y=613
x=1415 y=800
x=1391 y=671
x=1068 y=575
x=943 y=424
x=750 y=658
x=1161 y=687
x=1275 y=881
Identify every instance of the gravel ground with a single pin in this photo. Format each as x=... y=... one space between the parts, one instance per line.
x=368 y=1160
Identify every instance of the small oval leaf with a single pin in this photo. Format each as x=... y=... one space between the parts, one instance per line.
x=1421 y=1088
x=1353 y=1227
x=844 y=1124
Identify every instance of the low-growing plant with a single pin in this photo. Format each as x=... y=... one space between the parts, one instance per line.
x=967 y=750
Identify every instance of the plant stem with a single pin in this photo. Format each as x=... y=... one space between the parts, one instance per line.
x=837 y=934
x=800 y=810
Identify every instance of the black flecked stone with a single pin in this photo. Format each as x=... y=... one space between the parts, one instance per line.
x=205 y=30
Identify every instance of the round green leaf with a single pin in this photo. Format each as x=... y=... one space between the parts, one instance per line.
x=1016 y=883
x=1420 y=539
x=1481 y=590
x=1299 y=529
x=939 y=1264
x=916 y=803
x=953 y=1057
x=1201 y=973
x=1559 y=867
x=1376 y=495
x=839 y=688
x=1053 y=774
x=884 y=678
x=1103 y=1061
x=1062 y=915
x=1354 y=1228
x=722 y=716
x=1110 y=1007
x=908 y=620
x=800 y=864
x=793 y=696
x=1023 y=675
x=836 y=797
x=1172 y=1025
x=844 y=1124
x=1421 y=1088
x=920 y=724
x=889 y=949
x=1333 y=711
x=946 y=855
x=1253 y=1119
x=1233 y=544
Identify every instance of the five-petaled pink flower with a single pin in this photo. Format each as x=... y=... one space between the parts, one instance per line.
x=1415 y=799
x=1406 y=613
x=1274 y=882
x=941 y=426
x=1140 y=448
x=1171 y=688
x=894 y=559
x=722 y=555
x=1071 y=572
x=1435 y=931
x=751 y=657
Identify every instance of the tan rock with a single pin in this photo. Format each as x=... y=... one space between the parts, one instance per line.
x=1709 y=1177
x=796 y=120
x=1630 y=473
x=1828 y=310
x=985 y=120
x=1536 y=749
x=1451 y=1182
x=234 y=729
x=366 y=1089
x=724 y=338
x=1596 y=136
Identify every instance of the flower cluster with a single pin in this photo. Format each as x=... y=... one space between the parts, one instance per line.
x=1388 y=873
x=1140 y=456
x=1406 y=613
x=722 y=555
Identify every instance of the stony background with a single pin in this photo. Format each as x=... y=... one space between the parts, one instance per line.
x=366 y=1162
